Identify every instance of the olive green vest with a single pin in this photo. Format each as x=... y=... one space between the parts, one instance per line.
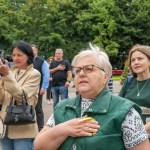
x=110 y=111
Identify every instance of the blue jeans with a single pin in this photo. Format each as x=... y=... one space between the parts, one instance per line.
x=66 y=93
x=17 y=144
x=58 y=91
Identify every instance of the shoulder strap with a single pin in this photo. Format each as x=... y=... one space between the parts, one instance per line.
x=23 y=97
x=129 y=79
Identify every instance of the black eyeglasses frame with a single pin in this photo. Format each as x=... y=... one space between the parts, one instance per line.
x=84 y=69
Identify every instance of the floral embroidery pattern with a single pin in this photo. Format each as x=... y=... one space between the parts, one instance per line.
x=133 y=129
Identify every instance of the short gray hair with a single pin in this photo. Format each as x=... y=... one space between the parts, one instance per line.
x=58 y=49
x=100 y=56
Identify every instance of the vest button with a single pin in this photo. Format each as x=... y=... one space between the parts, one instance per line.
x=104 y=110
x=90 y=109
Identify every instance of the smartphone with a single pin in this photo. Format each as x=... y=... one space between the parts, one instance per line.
x=3 y=61
x=2 y=58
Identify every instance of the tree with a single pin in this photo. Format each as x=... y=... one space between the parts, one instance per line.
x=114 y=25
x=133 y=23
x=104 y=25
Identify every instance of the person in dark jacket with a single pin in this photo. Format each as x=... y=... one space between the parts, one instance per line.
x=95 y=119
x=49 y=92
x=42 y=66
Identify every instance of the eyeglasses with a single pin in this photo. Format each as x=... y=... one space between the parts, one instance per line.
x=86 y=69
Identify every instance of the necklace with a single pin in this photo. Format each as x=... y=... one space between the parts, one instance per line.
x=139 y=91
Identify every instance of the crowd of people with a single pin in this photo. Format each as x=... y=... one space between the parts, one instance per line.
x=90 y=120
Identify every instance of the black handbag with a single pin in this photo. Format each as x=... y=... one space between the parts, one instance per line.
x=19 y=114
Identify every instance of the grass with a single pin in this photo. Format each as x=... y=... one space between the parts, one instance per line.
x=116 y=77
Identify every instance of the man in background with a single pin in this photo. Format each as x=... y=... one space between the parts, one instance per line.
x=110 y=84
x=42 y=66
x=61 y=73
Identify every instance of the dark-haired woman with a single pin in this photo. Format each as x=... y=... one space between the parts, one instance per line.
x=49 y=92
x=21 y=77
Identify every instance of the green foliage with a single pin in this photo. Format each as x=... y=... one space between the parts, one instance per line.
x=115 y=25
x=125 y=72
x=116 y=77
x=133 y=21
x=104 y=25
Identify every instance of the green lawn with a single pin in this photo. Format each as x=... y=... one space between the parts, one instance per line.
x=116 y=77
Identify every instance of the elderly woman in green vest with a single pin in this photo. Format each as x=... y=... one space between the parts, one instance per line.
x=95 y=119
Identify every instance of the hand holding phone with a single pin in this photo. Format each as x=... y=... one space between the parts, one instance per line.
x=2 y=61
x=2 y=57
